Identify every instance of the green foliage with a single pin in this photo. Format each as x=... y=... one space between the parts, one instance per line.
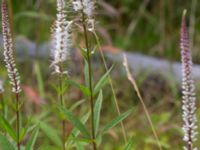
x=32 y=140
x=51 y=133
x=97 y=112
x=75 y=133
x=130 y=145
x=126 y=25
x=116 y=121
x=81 y=87
x=102 y=82
x=5 y=125
x=76 y=122
x=5 y=144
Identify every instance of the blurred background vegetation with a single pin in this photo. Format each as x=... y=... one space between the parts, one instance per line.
x=150 y=27
x=147 y=26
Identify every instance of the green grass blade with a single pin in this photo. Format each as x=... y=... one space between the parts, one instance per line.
x=102 y=82
x=4 y=124
x=117 y=120
x=97 y=112
x=76 y=104
x=32 y=140
x=51 y=133
x=129 y=145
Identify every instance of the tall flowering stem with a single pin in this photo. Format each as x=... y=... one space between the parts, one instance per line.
x=90 y=82
x=61 y=43
x=188 y=89
x=10 y=64
x=86 y=8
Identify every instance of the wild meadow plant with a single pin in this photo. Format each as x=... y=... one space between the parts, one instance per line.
x=11 y=66
x=61 y=43
x=85 y=12
x=188 y=90
x=10 y=136
x=84 y=134
x=86 y=9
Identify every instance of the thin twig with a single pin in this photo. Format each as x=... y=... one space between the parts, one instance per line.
x=17 y=121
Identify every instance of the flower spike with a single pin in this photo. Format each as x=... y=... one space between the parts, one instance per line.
x=61 y=38
x=9 y=51
x=188 y=89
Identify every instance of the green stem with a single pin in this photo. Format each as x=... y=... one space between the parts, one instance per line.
x=62 y=104
x=90 y=81
x=17 y=121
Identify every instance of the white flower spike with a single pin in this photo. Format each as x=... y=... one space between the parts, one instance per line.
x=87 y=6
x=61 y=38
x=8 y=51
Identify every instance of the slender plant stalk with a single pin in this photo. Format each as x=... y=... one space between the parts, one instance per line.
x=132 y=81
x=62 y=104
x=17 y=120
x=61 y=43
x=90 y=81
x=112 y=88
x=12 y=70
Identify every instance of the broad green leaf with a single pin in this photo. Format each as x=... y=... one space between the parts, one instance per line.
x=4 y=124
x=32 y=140
x=84 y=89
x=51 y=133
x=102 y=82
x=75 y=121
x=129 y=145
x=75 y=132
x=24 y=130
x=97 y=111
x=83 y=119
x=5 y=144
x=117 y=120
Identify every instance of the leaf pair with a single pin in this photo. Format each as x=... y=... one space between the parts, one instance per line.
x=82 y=128
x=7 y=145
